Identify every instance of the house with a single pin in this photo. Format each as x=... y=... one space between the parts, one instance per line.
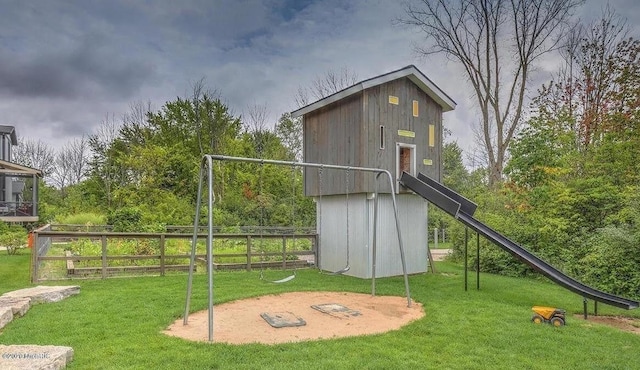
x=393 y=122
x=18 y=184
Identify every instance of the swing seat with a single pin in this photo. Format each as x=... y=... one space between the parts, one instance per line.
x=340 y=272
x=288 y=278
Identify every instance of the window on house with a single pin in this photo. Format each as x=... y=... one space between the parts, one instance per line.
x=381 y=137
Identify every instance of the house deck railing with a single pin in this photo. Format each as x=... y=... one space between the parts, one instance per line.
x=17 y=209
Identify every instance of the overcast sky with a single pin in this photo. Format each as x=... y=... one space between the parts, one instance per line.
x=66 y=65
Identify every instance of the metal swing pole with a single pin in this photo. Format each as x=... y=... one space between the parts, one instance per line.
x=194 y=241
x=209 y=164
x=209 y=158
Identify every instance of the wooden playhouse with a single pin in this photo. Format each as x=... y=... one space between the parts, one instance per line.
x=394 y=122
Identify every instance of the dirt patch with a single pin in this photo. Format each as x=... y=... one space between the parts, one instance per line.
x=239 y=322
x=622 y=323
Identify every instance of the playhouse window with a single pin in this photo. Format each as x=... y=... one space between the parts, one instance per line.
x=381 y=137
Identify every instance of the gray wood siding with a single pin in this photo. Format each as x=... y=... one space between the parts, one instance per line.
x=379 y=112
x=335 y=135
x=348 y=133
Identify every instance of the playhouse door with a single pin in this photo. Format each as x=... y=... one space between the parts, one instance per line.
x=405 y=161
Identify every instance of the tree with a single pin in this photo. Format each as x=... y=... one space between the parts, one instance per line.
x=289 y=131
x=322 y=86
x=589 y=116
x=102 y=165
x=256 y=126
x=497 y=43
x=35 y=154
x=71 y=163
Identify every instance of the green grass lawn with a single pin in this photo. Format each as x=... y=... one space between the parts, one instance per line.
x=116 y=324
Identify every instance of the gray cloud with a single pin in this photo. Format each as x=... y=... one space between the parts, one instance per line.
x=64 y=65
x=88 y=69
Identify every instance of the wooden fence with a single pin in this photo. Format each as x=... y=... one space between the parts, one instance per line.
x=44 y=238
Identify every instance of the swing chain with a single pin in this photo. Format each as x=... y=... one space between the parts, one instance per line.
x=319 y=220
x=347 y=200
x=293 y=209
x=261 y=203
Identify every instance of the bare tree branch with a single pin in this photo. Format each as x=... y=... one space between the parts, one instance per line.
x=34 y=154
x=497 y=43
x=322 y=86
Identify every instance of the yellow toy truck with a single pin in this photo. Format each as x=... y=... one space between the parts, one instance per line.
x=550 y=315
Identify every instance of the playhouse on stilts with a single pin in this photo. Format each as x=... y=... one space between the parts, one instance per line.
x=393 y=122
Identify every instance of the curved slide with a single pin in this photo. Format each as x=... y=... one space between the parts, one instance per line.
x=462 y=209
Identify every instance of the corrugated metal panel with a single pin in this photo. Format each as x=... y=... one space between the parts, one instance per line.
x=333 y=235
x=412 y=212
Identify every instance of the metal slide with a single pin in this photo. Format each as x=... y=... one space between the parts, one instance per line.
x=445 y=199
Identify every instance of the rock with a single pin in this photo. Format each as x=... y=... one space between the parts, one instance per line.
x=6 y=316
x=44 y=294
x=27 y=357
x=19 y=306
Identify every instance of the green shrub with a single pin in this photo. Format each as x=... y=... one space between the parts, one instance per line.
x=125 y=219
x=12 y=237
x=612 y=261
x=86 y=218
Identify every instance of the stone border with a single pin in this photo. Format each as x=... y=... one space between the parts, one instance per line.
x=16 y=304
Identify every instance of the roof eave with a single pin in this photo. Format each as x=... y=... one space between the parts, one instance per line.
x=417 y=77
x=14 y=168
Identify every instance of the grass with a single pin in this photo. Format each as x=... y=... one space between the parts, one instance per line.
x=116 y=324
x=441 y=245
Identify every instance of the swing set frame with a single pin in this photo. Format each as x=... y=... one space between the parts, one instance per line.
x=206 y=169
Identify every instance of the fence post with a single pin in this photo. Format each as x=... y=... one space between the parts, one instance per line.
x=284 y=251
x=162 y=255
x=104 y=256
x=249 y=252
x=34 y=258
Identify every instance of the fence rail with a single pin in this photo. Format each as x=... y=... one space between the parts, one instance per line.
x=44 y=238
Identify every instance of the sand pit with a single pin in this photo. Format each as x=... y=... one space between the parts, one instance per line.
x=239 y=322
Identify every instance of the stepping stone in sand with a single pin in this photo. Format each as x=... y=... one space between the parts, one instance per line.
x=336 y=310
x=282 y=319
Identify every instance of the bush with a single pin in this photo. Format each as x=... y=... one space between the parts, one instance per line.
x=611 y=263
x=86 y=218
x=12 y=237
x=125 y=219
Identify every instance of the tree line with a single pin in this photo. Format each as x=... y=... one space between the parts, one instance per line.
x=571 y=186
x=560 y=174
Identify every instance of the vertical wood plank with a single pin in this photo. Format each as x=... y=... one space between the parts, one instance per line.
x=104 y=256
x=249 y=247
x=162 y=255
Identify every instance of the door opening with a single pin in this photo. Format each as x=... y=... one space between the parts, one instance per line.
x=405 y=161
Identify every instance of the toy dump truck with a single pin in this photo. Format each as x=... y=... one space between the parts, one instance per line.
x=550 y=315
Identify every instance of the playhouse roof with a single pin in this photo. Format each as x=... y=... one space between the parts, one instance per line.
x=410 y=71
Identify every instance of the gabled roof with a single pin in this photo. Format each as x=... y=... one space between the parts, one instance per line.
x=14 y=168
x=11 y=131
x=410 y=72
